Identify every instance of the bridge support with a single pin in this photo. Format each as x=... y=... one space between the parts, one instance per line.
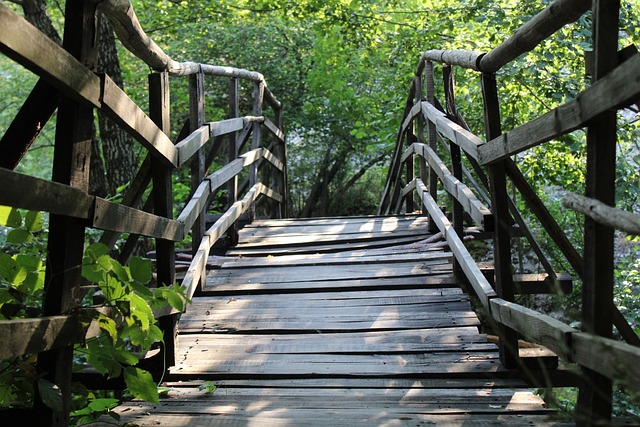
x=500 y=207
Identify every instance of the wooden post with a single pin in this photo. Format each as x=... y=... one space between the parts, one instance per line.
x=594 y=398
x=424 y=171
x=162 y=195
x=500 y=207
x=431 y=131
x=409 y=166
x=196 y=120
x=284 y=209
x=258 y=96
x=232 y=154
x=456 y=158
x=65 y=245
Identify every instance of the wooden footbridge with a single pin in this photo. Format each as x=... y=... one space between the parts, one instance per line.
x=379 y=320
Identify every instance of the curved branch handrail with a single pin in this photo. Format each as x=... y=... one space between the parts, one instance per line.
x=131 y=34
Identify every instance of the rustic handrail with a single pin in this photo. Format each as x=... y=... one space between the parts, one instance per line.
x=615 y=86
x=67 y=74
x=129 y=31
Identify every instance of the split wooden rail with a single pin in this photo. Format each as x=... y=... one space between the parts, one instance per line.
x=67 y=72
x=615 y=85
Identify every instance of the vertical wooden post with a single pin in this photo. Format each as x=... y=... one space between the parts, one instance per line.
x=65 y=245
x=500 y=206
x=594 y=398
x=409 y=166
x=232 y=154
x=424 y=171
x=284 y=208
x=456 y=158
x=159 y=111
x=258 y=97
x=196 y=120
x=431 y=131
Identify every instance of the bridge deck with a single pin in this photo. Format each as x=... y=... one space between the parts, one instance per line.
x=337 y=322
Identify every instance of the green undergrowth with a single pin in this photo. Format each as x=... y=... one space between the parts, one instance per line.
x=118 y=298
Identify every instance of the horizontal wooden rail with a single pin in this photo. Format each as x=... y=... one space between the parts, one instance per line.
x=452 y=131
x=458 y=57
x=604 y=214
x=481 y=286
x=463 y=194
x=618 y=89
x=197 y=268
x=213 y=182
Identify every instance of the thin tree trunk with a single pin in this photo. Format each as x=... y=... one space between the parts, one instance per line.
x=117 y=146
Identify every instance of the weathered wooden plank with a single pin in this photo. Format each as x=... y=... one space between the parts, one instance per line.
x=304 y=240
x=474 y=275
x=328 y=247
x=281 y=417
x=619 y=88
x=452 y=131
x=346 y=226
x=192 y=143
x=337 y=259
x=274 y=129
x=196 y=205
x=269 y=156
x=28 y=123
x=115 y=217
x=374 y=219
x=536 y=327
x=25 y=44
x=433 y=281
x=312 y=273
x=613 y=359
x=24 y=336
x=127 y=114
x=27 y=192
x=463 y=194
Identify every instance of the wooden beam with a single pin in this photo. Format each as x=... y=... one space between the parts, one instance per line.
x=36 y=194
x=603 y=214
x=483 y=289
x=124 y=111
x=28 y=123
x=526 y=38
x=452 y=131
x=192 y=144
x=463 y=58
x=535 y=327
x=29 y=47
x=618 y=89
x=115 y=217
x=470 y=203
x=274 y=129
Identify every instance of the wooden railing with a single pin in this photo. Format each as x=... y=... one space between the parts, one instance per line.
x=72 y=209
x=616 y=84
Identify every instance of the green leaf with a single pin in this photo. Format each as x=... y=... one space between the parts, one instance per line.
x=29 y=262
x=11 y=271
x=104 y=262
x=121 y=272
x=10 y=217
x=18 y=236
x=141 y=311
x=96 y=250
x=175 y=300
x=33 y=221
x=109 y=326
x=140 y=383
x=140 y=269
x=92 y=273
x=103 y=404
x=51 y=394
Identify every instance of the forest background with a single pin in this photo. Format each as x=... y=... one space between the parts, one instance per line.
x=342 y=69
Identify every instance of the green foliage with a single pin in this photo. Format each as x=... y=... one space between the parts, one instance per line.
x=125 y=317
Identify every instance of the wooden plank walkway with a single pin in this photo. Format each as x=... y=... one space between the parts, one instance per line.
x=337 y=322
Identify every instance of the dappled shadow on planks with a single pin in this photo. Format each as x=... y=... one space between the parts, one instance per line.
x=350 y=333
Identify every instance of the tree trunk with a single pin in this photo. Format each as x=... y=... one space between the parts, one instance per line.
x=117 y=146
